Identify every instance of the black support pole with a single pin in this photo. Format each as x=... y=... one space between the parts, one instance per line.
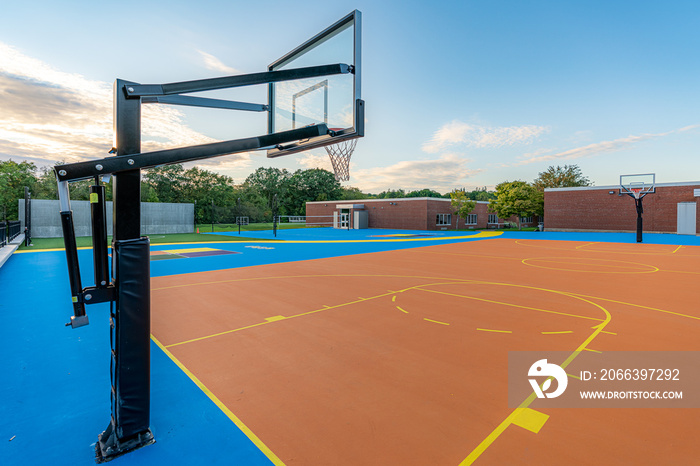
x=640 y=211
x=131 y=321
x=27 y=217
x=99 y=234
x=76 y=287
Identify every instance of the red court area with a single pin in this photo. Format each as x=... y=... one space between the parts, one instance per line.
x=400 y=357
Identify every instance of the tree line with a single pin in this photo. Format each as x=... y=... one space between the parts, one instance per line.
x=272 y=189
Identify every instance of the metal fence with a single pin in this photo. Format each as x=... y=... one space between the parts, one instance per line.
x=9 y=231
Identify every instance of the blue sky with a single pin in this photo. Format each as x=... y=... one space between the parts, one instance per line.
x=458 y=93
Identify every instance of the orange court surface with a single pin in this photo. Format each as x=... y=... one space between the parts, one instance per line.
x=400 y=357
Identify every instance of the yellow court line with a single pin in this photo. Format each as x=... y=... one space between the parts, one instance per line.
x=497 y=331
x=531 y=420
x=217 y=334
x=509 y=304
x=573 y=376
x=584 y=245
x=25 y=251
x=483 y=234
x=275 y=318
x=555 y=333
x=680 y=271
x=609 y=333
x=464 y=254
x=592 y=350
x=635 y=305
x=560 y=260
x=405 y=312
x=236 y=420
x=556 y=260
x=435 y=321
x=480 y=235
x=604 y=251
x=676 y=250
x=325 y=308
x=286 y=277
x=474 y=455
x=416 y=287
x=393 y=299
x=178 y=251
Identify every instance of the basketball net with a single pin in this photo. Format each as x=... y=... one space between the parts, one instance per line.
x=636 y=192
x=340 y=154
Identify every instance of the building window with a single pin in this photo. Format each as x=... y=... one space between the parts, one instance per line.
x=470 y=220
x=525 y=219
x=493 y=218
x=444 y=219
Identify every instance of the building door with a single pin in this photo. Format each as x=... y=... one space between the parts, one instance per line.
x=344 y=219
x=686 y=218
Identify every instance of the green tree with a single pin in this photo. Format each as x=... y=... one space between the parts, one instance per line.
x=46 y=186
x=168 y=182
x=516 y=198
x=268 y=182
x=392 y=194
x=461 y=204
x=561 y=177
x=480 y=194
x=314 y=184
x=350 y=193
x=424 y=193
x=205 y=186
x=13 y=178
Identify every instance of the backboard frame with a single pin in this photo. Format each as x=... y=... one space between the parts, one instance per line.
x=647 y=182
x=333 y=136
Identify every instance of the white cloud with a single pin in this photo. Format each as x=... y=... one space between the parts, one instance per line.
x=214 y=64
x=448 y=172
x=313 y=159
x=49 y=115
x=598 y=148
x=457 y=132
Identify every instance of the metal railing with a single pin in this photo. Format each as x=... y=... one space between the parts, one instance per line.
x=9 y=231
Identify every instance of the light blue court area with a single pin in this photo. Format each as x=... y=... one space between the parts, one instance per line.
x=374 y=234
x=337 y=234
x=298 y=245
x=648 y=238
x=54 y=396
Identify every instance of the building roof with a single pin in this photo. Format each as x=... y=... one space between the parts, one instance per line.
x=617 y=186
x=399 y=199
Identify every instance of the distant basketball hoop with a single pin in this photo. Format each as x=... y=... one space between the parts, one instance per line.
x=340 y=154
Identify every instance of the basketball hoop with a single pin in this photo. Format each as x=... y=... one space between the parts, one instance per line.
x=636 y=192
x=340 y=154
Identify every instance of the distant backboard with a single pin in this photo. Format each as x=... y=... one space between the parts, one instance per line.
x=334 y=100
x=638 y=185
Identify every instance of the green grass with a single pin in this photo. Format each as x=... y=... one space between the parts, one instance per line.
x=86 y=241
x=228 y=227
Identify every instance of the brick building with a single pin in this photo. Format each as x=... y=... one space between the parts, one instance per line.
x=602 y=208
x=411 y=213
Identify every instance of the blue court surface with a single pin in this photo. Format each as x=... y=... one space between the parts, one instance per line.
x=330 y=234
x=55 y=396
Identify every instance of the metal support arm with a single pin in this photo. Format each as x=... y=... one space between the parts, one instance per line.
x=121 y=163
x=204 y=102
x=200 y=85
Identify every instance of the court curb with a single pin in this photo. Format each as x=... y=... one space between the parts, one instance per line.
x=10 y=249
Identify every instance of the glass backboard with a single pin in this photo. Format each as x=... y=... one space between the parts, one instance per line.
x=333 y=100
x=641 y=184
